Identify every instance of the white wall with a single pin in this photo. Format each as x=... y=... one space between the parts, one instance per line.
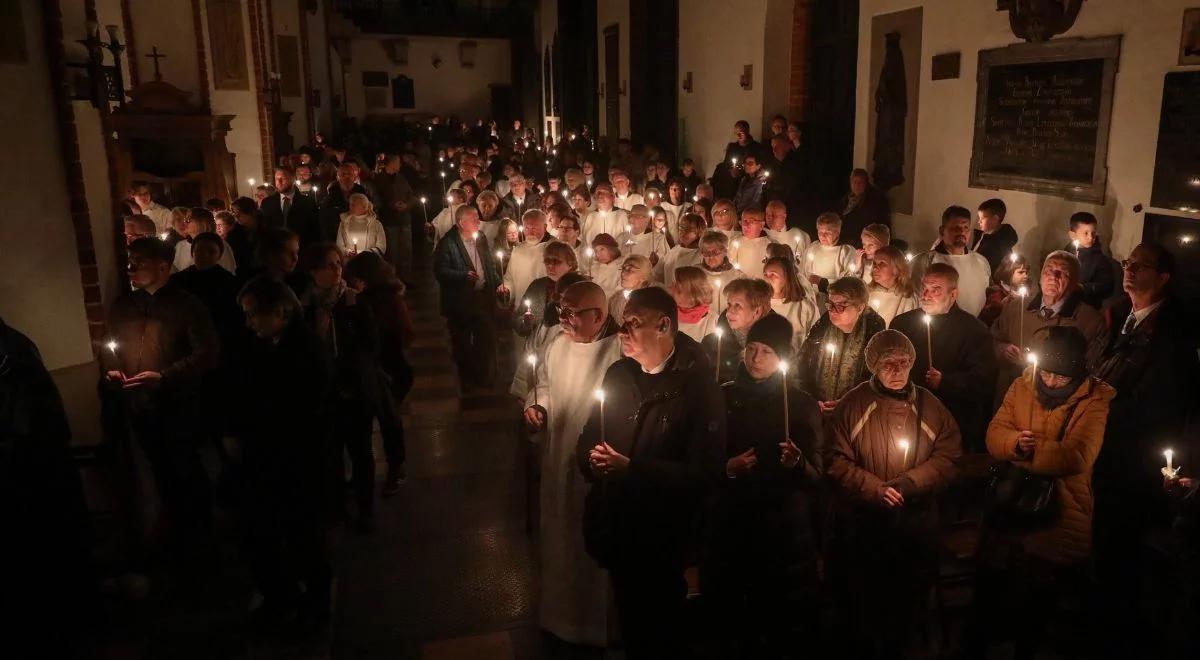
x=448 y=89
x=612 y=12
x=287 y=23
x=318 y=57
x=40 y=290
x=169 y=26
x=1149 y=49
x=717 y=40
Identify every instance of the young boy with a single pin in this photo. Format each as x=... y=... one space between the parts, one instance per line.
x=1095 y=269
x=993 y=239
x=828 y=259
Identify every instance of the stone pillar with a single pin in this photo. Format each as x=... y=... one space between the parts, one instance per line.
x=798 y=78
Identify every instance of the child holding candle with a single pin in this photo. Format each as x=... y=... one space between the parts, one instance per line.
x=760 y=559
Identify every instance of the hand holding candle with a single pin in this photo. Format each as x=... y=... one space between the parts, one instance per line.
x=1171 y=471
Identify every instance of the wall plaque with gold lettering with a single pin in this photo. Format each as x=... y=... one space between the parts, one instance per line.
x=1042 y=116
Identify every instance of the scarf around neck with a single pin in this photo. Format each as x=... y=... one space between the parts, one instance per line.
x=692 y=314
x=1052 y=398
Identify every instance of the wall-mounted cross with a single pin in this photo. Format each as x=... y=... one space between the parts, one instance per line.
x=156 y=56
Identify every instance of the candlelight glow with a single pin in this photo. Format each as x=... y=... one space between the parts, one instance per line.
x=500 y=254
x=908 y=256
x=532 y=360
x=443 y=174
x=928 y=319
x=599 y=394
x=903 y=444
x=423 y=199
x=1023 y=291
x=1032 y=359
x=628 y=292
x=831 y=348
x=783 y=367
x=720 y=332
x=875 y=303
x=1014 y=256
x=528 y=304
x=112 y=346
x=474 y=237
x=450 y=199
x=734 y=161
x=250 y=181
x=164 y=236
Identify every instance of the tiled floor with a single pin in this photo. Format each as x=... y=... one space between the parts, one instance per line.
x=449 y=574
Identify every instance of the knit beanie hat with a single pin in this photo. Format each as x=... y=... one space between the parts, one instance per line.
x=774 y=331
x=1061 y=350
x=886 y=343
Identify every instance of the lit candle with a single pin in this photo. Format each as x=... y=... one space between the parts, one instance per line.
x=355 y=241
x=250 y=181
x=599 y=394
x=875 y=303
x=424 y=211
x=766 y=174
x=627 y=293
x=500 y=259
x=1169 y=455
x=831 y=348
x=929 y=337
x=903 y=444
x=441 y=159
x=474 y=235
x=1075 y=244
x=908 y=256
x=695 y=198
x=532 y=360
x=443 y=182
x=734 y=160
x=528 y=307
x=720 y=332
x=783 y=369
x=565 y=194
x=1014 y=257
x=112 y=346
x=717 y=286
x=591 y=255
x=1032 y=358
x=164 y=236
x=1023 y=291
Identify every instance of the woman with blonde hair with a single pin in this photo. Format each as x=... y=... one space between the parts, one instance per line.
x=873 y=237
x=359 y=229
x=891 y=291
x=693 y=293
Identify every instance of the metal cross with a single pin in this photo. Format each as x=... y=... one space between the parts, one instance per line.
x=156 y=56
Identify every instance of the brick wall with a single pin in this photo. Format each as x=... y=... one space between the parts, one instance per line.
x=798 y=80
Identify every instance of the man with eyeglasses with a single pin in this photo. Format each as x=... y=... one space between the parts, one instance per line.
x=962 y=370
x=574 y=589
x=1058 y=301
x=164 y=342
x=892 y=445
x=1150 y=358
x=653 y=447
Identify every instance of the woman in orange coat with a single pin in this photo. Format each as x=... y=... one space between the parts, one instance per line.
x=1052 y=424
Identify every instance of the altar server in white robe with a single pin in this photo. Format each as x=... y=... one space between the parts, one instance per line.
x=749 y=250
x=574 y=589
x=605 y=268
x=444 y=221
x=714 y=262
x=725 y=217
x=525 y=264
x=685 y=253
x=606 y=219
x=777 y=228
x=674 y=204
x=637 y=238
x=974 y=270
x=625 y=198
x=828 y=259
x=890 y=292
x=790 y=298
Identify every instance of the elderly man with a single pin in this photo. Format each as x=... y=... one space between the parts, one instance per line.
x=776 y=220
x=526 y=263
x=574 y=589
x=1149 y=356
x=626 y=199
x=648 y=479
x=749 y=250
x=1059 y=302
x=892 y=446
x=974 y=273
x=396 y=199
x=864 y=205
x=962 y=368
x=606 y=219
x=467 y=275
x=746 y=301
x=518 y=200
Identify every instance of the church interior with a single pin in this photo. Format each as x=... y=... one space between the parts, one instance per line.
x=181 y=479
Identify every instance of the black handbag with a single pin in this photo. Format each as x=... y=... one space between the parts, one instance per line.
x=1019 y=500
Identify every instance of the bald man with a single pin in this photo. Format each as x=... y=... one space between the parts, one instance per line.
x=574 y=588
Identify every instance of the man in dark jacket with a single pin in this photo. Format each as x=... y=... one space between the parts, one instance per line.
x=282 y=419
x=337 y=200
x=963 y=371
x=467 y=277
x=161 y=344
x=291 y=209
x=654 y=445
x=993 y=239
x=1150 y=359
x=395 y=199
x=519 y=199
x=863 y=205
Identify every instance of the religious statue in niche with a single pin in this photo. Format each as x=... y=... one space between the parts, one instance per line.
x=891 y=115
x=1040 y=20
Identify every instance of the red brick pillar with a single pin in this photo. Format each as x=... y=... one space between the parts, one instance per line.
x=798 y=78
x=81 y=219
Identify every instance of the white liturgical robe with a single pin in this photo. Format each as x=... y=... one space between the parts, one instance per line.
x=524 y=266
x=748 y=254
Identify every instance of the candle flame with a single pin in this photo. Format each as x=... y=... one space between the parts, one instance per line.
x=500 y=254
x=474 y=236
x=875 y=303
x=831 y=348
x=599 y=394
x=720 y=332
x=528 y=304
x=1032 y=359
x=1014 y=256
x=783 y=367
x=423 y=199
x=590 y=253
x=928 y=319
x=112 y=345
x=443 y=174
x=1169 y=454
x=250 y=181
x=908 y=256
x=163 y=236
x=532 y=360
x=903 y=444
x=628 y=292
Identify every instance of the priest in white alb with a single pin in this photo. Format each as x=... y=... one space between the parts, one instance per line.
x=526 y=262
x=777 y=228
x=606 y=219
x=574 y=598
x=974 y=271
x=749 y=251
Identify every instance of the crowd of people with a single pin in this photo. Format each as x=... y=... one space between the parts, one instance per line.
x=736 y=390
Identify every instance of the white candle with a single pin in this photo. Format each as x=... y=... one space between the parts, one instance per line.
x=424 y=211
x=1021 y=317
x=1169 y=455
x=783 y=369
x=1032 y=358
x=720 y=332
x=532 y=360
x=929 y=338
x=903 y=444
x=599 y=394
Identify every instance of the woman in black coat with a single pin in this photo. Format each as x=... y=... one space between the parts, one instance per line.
x=348 y=331
x=760 y=565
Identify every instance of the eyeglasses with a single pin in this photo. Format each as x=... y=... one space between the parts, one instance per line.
x=1135 y=267
x=1051 y=378
x=838 y=307
x=568 y=314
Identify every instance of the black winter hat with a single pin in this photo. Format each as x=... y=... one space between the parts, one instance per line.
x=1062 y=350
x=774 y=331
